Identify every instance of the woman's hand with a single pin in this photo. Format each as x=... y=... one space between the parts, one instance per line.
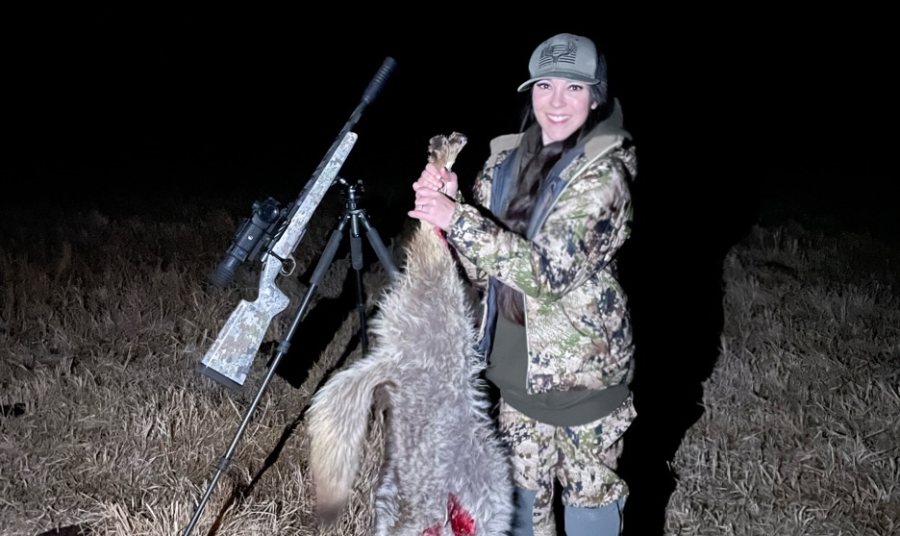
x=432 y=205
x=438 y=179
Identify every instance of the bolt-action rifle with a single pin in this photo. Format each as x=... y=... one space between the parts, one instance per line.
x=271 y=234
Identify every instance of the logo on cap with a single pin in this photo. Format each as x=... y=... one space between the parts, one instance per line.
x=554 y=54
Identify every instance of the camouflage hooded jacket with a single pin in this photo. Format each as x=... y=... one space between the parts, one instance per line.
x=577 y=325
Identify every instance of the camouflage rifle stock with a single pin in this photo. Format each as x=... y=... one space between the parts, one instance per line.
x=229 y=358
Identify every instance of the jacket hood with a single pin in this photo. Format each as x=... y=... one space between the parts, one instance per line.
x=608 y=133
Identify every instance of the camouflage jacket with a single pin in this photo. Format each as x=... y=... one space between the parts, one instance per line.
x=577 y=323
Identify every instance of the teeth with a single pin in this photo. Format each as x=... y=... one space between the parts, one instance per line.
x=557 y=117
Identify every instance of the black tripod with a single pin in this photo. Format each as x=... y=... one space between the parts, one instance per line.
x=356 y=217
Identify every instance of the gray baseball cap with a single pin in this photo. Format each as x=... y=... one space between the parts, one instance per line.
x=567 y=56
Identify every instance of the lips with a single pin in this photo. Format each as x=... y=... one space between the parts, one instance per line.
x=558 y=123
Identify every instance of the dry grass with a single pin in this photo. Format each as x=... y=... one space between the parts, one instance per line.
x=107 y=426
x=800 y=433
x=105 y=422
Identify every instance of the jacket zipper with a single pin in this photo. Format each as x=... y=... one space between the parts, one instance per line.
x=527 y=344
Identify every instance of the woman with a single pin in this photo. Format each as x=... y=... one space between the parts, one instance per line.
x=551 y=208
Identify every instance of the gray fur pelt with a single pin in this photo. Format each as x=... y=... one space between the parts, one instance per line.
x=440 y=440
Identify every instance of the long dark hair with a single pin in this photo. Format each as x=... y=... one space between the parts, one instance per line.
x=533 y=172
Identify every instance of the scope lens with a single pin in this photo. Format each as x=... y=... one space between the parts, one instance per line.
x=268 y=212
x=224 y=272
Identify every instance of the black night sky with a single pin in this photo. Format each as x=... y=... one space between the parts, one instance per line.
x=723 y=106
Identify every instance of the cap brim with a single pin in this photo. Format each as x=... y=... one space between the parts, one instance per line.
x=559 y=74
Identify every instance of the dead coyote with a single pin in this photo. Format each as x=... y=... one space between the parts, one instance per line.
x=445 y=471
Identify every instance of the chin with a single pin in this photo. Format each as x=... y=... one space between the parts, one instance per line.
x=555 y=132
x=562 y=136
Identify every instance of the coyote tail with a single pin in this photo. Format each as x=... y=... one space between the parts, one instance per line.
x=337 y=421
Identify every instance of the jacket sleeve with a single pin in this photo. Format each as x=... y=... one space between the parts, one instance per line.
x=479 y=278
x=582 y=233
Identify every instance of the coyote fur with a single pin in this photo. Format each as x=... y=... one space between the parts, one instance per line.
x=446 y=472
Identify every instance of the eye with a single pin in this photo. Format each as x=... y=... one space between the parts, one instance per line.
x=576 y=87
x=542 y=84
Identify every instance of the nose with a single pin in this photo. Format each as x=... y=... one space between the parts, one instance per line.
x=557 y=100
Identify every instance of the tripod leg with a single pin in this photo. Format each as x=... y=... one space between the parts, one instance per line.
x=384 y=256
x=328 y=253
x=356 y=259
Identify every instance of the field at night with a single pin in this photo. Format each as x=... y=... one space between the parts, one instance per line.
x=763 y=271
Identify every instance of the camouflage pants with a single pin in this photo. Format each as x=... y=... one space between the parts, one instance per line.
x=583 y=458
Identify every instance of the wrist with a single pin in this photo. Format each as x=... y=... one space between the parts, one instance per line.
x=456 y=214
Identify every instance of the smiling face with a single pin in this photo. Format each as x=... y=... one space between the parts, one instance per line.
x=560 y=107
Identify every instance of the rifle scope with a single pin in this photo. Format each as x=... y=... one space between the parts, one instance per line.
x=251 y=239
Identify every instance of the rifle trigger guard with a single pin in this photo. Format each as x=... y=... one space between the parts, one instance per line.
x=293 y=263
